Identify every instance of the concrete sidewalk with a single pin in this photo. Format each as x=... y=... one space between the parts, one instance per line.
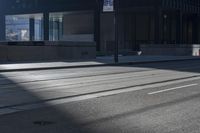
x=99 y=61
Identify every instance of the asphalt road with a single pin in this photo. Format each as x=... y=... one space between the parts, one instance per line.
x=150 y=98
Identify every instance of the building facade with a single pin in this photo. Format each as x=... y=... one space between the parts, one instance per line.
x=140 y=22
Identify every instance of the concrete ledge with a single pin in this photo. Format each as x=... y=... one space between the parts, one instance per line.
x=38 y=51
x=171 y=49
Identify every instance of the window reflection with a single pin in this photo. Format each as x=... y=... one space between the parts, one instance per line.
x=19 y=27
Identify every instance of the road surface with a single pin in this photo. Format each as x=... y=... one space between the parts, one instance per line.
x=150 y=98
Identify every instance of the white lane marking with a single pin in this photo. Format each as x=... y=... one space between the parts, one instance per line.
x=171 y=89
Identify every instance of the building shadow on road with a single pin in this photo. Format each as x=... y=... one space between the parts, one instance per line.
x=15 y=118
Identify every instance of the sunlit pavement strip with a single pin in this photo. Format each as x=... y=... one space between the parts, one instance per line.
x=171 y=89
x=14 y=109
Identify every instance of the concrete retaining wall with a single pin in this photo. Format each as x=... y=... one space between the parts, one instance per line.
x=32 y=51
x=171 y=49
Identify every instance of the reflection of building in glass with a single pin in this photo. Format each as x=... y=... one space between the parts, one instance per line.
x=18 y=27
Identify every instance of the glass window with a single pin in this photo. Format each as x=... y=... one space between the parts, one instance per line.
x=20 y=28
x=17 y=28
x=71 y=26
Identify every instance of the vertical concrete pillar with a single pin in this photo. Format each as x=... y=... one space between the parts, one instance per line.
x=198 y=30
x=46 y=26
x=179 y=27
x=195 y=28
x=157 y=25
x=2 y=28
x=32 y=29
x=97 y=28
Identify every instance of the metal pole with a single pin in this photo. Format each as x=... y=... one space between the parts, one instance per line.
x=116 y=21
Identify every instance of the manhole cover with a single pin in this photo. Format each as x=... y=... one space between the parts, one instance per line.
x=43 y=123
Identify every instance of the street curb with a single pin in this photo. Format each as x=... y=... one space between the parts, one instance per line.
x=96 y=65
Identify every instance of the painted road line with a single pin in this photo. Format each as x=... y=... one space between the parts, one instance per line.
x=171 y=89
